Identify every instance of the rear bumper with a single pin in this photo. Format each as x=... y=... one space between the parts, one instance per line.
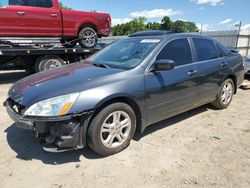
x=57 y=134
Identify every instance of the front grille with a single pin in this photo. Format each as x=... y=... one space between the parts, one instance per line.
x=18 y=108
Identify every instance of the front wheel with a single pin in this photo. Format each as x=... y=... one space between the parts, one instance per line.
x=112 y=129
x=87 y=37
x=225 y=95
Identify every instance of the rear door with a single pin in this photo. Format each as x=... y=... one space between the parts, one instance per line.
x=212 y=67
x=171 y=92
x=44 y=18
x=13 y=19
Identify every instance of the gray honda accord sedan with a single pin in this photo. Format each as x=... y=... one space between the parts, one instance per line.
x=134 y=82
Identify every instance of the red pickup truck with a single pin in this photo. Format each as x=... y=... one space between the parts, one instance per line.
x=44 y=18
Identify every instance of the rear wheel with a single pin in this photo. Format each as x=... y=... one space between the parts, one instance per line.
x=225 y=95
x=44 y=63
x=87 y=37
x=112 y=129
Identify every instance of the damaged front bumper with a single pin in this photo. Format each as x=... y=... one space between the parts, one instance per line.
x=57 y=134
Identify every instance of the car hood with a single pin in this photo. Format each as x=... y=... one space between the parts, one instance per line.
x=61 y=81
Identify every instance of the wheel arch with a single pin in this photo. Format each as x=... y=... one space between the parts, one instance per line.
x=122 y=99
x=87 y=24
x=232 y=77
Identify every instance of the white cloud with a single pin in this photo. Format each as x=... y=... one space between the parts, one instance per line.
x=116 y=21
x=211 y=2
x=225 y=21
x=156 y=13
x=246 y=27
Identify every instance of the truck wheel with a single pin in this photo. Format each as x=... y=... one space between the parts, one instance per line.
x=112 y=129
x=88 y=37
x=67 y=43
x=225 y=95
x=44 y=63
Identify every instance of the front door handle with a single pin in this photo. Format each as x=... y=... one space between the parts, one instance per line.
x=21 y=13
x=53 y=15
x=192 y=72
x=224 y=64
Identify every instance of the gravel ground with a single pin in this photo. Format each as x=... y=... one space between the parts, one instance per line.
x=201 y=148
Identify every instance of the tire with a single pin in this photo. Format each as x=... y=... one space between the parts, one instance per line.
x=67 y=43
x=109 y=142
x=87 y=37
x=44 y=63
x=226 y=90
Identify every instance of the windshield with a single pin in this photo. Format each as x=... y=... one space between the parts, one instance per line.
x=125 y=54
x=4 y=3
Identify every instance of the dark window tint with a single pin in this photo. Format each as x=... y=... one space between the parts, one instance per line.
x=41 y=3
x=177 y=50
x=220 y=51
x=32 y=3
x=205 y=49
x=19 y=2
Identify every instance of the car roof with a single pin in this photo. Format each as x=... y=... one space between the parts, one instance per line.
x=164 y=34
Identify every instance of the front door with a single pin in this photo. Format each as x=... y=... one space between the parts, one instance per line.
x=170 y=92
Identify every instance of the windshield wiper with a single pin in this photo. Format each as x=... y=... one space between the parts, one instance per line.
x=101 y=65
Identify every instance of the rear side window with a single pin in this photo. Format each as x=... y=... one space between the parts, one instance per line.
x=19 y=2
x=205 y=49
x=220 y=51
x=41 y=3
x=177 y=50
x=32 y=3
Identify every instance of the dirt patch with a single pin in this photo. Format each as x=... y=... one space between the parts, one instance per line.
x=201 y=148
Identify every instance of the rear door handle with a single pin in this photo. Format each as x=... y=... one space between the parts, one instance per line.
x=192 y=72
x=53 y=15
x=21 y=13
x=224 y=64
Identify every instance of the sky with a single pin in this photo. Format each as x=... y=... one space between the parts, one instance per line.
x=212 y=14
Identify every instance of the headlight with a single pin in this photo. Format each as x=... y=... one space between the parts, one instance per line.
x=57 y=106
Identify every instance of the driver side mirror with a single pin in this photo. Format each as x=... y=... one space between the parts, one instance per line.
x=163 y=65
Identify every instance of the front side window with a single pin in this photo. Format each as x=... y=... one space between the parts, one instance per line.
x=177 y=50
x=4 y=3
x=205 y=49
x=125 y=54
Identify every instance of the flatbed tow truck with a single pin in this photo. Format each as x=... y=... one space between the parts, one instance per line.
x=38 y=55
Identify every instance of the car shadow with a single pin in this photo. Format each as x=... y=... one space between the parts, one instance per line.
x=28 y=147
x=171 y=121
x=8 y=77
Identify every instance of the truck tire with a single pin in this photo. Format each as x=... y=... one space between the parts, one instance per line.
x=44 y=63
x=112 y=129
x=87 y=37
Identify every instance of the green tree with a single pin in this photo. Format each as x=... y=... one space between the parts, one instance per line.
x=166 y=23
x=153 y=26
x=180 y=26
x=135 y=25
x=62 y=6
x=138 y=24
